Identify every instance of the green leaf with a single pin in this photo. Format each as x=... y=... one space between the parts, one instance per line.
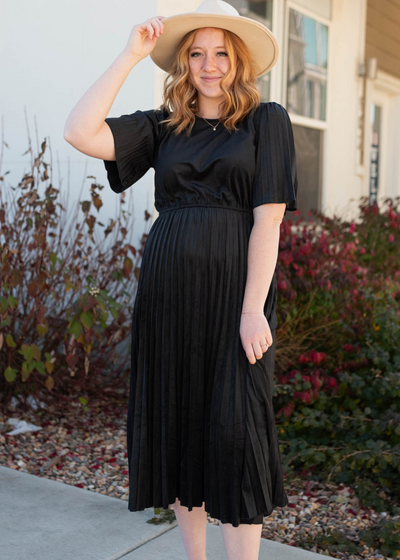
x=6 y=322
x=27 y=352
x=75 y=328
x=10 y=374
x=40 y=367
x=25 y=373
x=87 y=319
x=12 y=301
x=114 y=312
x=42 y=329
x=10 y=341
x=103 y=324
x=53 y=258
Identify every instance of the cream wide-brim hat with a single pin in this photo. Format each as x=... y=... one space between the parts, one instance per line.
x=260 y=40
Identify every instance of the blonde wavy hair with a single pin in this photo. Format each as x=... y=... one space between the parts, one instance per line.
x=180 y=97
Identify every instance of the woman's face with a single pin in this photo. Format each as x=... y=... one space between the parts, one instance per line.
x=209 y=59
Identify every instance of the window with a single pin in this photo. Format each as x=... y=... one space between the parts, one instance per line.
x=307 y=66
x=306 y=92
x=309 y=149
x=262 y=12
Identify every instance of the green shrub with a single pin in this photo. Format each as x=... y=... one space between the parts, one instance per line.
x=338 y=353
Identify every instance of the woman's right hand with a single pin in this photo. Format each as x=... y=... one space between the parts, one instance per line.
x=143 y=37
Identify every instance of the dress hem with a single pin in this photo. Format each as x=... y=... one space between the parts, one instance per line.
x=212 y=515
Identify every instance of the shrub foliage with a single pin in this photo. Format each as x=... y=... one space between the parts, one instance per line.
x=66 y=291
x=337 y=388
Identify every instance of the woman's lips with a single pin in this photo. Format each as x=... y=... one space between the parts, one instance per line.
x=210 y=79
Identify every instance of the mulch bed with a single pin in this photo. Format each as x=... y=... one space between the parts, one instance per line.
x=87 y=449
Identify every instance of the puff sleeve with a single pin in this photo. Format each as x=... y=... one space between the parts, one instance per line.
x=276 y=169
x=135 y=140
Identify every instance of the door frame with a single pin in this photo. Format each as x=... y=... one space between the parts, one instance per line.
x=385 y=91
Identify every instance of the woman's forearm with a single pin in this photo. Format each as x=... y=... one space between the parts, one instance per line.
x=88 y=115
x=262 y=258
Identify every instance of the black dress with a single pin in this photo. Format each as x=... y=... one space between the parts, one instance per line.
x=200 y=422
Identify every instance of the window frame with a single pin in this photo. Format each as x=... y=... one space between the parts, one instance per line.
x=301 y=120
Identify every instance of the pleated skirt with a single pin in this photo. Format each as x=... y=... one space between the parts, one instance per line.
x=200 y=420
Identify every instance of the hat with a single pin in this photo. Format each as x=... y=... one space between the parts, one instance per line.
x=260 y=41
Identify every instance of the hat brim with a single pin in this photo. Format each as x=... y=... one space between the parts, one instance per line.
x=260 y=41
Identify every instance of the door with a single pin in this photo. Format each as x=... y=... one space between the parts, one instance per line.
x=378 y=149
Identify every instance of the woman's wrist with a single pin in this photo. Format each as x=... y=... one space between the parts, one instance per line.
x=132 y=58
x=251 y=312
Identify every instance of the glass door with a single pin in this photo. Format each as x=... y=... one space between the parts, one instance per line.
x=376 y=117
x=378 y=145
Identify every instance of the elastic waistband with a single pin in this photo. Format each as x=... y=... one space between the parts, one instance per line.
x=238 y=209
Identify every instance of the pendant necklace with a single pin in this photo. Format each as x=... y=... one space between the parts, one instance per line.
x=214 y=126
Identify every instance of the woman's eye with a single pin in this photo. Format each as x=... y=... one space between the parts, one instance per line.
x=220 y=52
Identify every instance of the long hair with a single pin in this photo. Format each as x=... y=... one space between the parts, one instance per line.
x=180 y=97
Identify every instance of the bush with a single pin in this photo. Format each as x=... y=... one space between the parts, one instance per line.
x=338 y=353
x=66 y=291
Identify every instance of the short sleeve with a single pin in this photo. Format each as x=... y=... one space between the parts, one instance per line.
x=135 y=141
x=276 y=168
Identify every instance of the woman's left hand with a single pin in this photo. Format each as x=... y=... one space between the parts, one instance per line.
x=255 y=334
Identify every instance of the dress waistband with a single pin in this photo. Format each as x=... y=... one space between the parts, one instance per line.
x=237 y=208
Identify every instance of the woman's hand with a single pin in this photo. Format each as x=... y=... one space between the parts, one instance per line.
x=254 y=332
x=143 y=37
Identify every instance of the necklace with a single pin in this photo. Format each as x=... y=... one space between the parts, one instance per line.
x=214 y=126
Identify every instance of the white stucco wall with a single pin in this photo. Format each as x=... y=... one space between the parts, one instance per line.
x=51 y=53
x=343 y=177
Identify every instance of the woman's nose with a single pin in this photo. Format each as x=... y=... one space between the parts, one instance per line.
x=209 y=62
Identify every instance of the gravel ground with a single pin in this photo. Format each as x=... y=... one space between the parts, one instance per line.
x=87 y=449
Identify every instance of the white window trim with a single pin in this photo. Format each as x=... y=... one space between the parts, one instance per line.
x=299 y=119
x=280 y=18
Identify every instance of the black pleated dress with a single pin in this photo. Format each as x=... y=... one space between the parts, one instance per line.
x=200 y=421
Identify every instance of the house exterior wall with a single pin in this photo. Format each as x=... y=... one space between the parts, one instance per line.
x=52 y=54
x=343 y=181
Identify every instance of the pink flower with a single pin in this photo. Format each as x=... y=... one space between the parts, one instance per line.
x=391 y=238
x=352 y=227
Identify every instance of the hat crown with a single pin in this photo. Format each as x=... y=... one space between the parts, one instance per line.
x=260 y=40
x=216 y=7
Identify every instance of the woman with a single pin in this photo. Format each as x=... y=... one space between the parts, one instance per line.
x=200 y=426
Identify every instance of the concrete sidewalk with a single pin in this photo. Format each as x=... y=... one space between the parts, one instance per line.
x=41 y=519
